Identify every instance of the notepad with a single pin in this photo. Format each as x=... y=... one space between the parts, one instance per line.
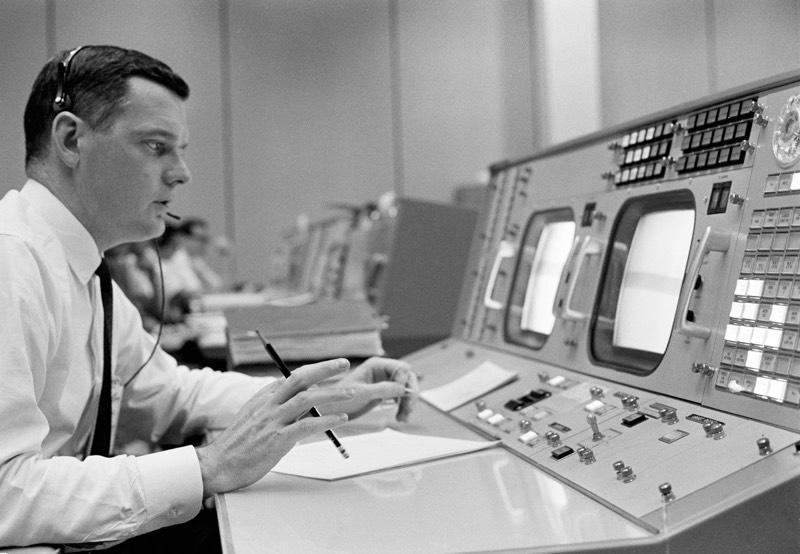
x=371 y=452
x=484 y=378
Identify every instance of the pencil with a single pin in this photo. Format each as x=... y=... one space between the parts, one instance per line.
x=313 y=411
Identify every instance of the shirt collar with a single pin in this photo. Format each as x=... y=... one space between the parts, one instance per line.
x=80 y=248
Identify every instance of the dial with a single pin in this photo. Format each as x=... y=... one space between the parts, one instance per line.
x=786 y=138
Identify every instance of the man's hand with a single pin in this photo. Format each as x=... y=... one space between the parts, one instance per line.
x=270 y=424
x=373 y=381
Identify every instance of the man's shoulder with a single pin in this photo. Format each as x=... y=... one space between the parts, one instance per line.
x=22 y=230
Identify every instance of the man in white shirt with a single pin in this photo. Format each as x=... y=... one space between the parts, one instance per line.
x=105 y=132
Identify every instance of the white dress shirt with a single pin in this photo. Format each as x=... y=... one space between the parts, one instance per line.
x=50 y=378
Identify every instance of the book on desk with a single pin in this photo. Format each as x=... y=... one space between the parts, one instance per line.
x=321 y=330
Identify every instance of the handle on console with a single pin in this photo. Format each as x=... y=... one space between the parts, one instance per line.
x=713 y=240
x=504 y=250
x=564 y=310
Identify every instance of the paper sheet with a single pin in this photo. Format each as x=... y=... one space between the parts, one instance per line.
x=484 y=378
x=371 y=452
x=652 y=280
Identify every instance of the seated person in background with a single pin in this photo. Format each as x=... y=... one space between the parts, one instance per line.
x=105 y=137
x=134 y=267
x=195 y=239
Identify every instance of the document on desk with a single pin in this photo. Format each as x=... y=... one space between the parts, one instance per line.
x=481 y=380
x=371 y=452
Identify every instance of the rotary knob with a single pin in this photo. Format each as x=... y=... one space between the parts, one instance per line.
x=553 y=438
x=666 y=492
x=764 y=447
x=626 y=474
x=668 y=415
x=524 y=425
x=586 y=455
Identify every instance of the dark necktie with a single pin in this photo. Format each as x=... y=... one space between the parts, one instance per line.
x=101 y=443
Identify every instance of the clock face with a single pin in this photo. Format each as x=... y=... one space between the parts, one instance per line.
x=786 y=139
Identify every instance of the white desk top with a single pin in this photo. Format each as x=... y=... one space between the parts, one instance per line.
x=484 y=501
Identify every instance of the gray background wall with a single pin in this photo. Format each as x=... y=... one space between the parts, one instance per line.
x=300 y=103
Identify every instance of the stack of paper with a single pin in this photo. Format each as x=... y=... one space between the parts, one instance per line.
x=486 y=377
x=320 y=330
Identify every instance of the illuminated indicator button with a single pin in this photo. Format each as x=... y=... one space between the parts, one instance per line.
x=753 y=359
x=759 y=336
x=762 y=386
x=773 y=338
x=757 y=218
x=626 y=140
x=792 y=395
x=713 y=156
x=755 y=287
x=748 y=383
x=782 y=365
x=706 y=138
x=768 y=362
x=663 y=148
x=691 y=121
x=646 y=152
x=717 y=137
x=731 y=332
x=796 y=217
x=789 y=339
x=528 y=437
x=784 y=220
x=682 y=163
x=651 y=131
x=702 y=160
x=722 y=115
x=785 y=183
x=784 y=289
x=485 y=414
x=775 y=264
x=740 y=357
x=730 y=130
x=794 y=370
x=594 y=406
x=562 y=452
x=780 y=239
x=796 y=290
x=752 y=241
x=778 y=314
x=642 y=135
x=555 y=381
x=794 y=241
x=765 y=241
x=741 y=130
x=789 y=265
x=749 y=311
x=496 y=419
x=629 y=156
x=736 y=310
x=741 y=287
x=691 y=161
x=795 y=182
x=744 y=334
x=771 y=185
x=701 y=119
x=770 y=288
x=734 y=110
x=747 y=264
x=770 y=218
x=777 y=389
x=793 y=315
x=727 y=354
x=764 y=311
x=724 y=155
x=760 y=265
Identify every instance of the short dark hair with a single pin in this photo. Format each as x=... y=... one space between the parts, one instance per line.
x=97 y=82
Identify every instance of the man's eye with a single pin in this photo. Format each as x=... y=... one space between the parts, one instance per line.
x=155 y=146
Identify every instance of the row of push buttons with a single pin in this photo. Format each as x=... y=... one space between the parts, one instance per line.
x=780 y=364
x=787 y=216
x=647 y=134
x=767 y=388
x=715 y=137
x=651 y=170
x=720 y=157
x=782 y=183
x=721 y=114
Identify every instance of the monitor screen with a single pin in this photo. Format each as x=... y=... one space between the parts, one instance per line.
x=641 y=282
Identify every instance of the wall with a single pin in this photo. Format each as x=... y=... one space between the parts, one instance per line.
x=300 y=104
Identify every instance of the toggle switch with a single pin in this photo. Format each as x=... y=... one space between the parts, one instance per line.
x=596 y=434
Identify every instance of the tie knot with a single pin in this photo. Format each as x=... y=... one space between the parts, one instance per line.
x=102 y=269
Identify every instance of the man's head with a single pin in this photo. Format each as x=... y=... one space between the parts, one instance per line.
x=105 y=130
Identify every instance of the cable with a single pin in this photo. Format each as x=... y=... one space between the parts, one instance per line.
x=160 y=319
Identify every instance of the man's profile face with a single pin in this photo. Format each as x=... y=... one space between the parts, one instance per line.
x=127 y=173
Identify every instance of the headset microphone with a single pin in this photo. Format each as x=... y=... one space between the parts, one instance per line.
x=173 y=216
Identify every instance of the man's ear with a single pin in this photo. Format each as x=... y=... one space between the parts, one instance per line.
x=65 y=131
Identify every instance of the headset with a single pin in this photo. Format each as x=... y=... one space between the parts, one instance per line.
x=62 y=100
